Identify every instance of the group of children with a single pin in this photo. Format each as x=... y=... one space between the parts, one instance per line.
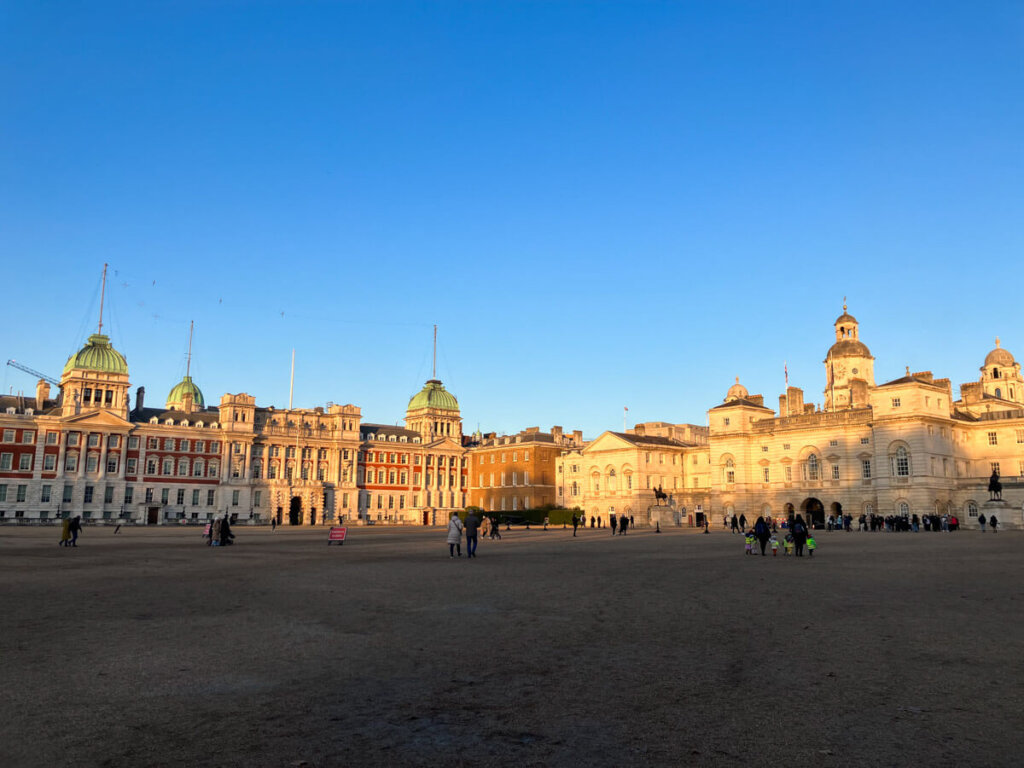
x=750 y=541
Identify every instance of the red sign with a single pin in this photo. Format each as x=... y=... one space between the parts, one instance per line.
x=337 y=534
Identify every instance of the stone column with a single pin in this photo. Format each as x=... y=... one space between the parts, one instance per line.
x=102 y=468
x=121 y=467
x=62 y=454
x=247 y=460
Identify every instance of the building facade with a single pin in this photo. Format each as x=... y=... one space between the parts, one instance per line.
x=903 y=447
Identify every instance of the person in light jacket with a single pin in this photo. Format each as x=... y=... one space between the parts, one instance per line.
x=454 y=535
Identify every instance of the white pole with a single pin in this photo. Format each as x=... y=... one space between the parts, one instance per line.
x=291 y=385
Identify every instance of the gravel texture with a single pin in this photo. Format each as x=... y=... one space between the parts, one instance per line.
x=150 y=649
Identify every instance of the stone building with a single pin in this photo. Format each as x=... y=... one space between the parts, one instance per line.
x=516 y=472
x=906 y=446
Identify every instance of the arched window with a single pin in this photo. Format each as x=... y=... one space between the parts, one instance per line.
x=999 y=392
x=972 y=509
x=812 y=470
x=904 y=509
x=612 y=481
x=596 y=480
x=730 y=471
x=869 y=508
x=901 y=463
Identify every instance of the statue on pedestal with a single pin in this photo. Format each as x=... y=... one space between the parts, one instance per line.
x=995 y=488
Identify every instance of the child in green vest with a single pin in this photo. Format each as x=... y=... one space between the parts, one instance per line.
x=811 y=545
x=775 y=545
x=788 y=543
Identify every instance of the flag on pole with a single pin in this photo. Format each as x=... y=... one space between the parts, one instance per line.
x=785 y=367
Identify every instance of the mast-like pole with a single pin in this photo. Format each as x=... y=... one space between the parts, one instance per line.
x=103 y=290
x=188 y=364
x=434 y=369
x=291 y=385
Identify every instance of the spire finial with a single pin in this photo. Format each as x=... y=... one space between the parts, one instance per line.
x=188 y=364
x=103 y=291
x=737 y=379
x=844 y=303
x=908 y=370
x=997 y=342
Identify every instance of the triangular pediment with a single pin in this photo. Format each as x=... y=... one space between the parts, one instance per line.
x=445 y=443
x=608 y=441
x=98 y=418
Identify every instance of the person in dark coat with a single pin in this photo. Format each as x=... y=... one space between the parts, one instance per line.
x=613 y=522
x=743 y=523
x=762 y=533
x=575 y=523
x=623 y=525
x=992 y=523
x=225 y=532
x=76 y=526
x=471 y=525
x=735 y=527
x=799 y=535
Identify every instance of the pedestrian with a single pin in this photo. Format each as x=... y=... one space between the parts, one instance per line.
x=743 y=523
x=546 y=520
x=811 y=545
x=485 y=526
x=454 y=535
x=495 y=528
x=981 y=522
x=613 y=522
x=215 y=532
x=226 y=536
x=599 y=523
x=76 y=526
x=748 y=543
x=593 y=522
x=472 y=524
x=273 y=524
x=624 y=523
x=799 y=535
x=735 y=525
x=775 y=546
x=575 y=524
x=992 y=523
x=631 y=523
x=65 y=532
x=706 y=526
x=787 y=544
x=117 y=529
x=762 y=533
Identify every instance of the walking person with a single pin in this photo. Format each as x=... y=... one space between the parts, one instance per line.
x=472 y=524
x=273 y=524
x=762 y=532
x=215 y=532
x=226 y=536
x=981 y=522
x=735 y=528
x=575 y=524
x=992 y=523
x=613 y=522
x=799 y=535
x=454 y=535
x=624 y=524
x=76 y=526
x=495 y=528
x=65 y=532
x=631 y=523
x=743 y=523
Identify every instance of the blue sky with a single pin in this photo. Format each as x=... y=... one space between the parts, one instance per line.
x=600 y=204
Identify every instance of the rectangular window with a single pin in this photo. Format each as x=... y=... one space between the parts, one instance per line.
x=195 y=497
x=165 y=495
x=833 y=443
x=28 y=436
x=112 y=464
x=8 y=435
x=6 y=461
x=49 y=462
x=184 y=445
x=764 y=449
x=3 y=491
x=92 y=462
x=22 y=493
x=995 y=467
x=68 y=490
x=108 y=495
x=895 y=402
x=51 y=438
x=151 y=466
x=114 y=441
x=785 y=447
x=152 y=444
x=992 y=438
x=168 y=443
x=864 y=441
x=25 y=462
x=865 y=469
x=234 y=498
x=149 y=495
x=129 y=494
x=180 y=497
x=201 y=446
x=835 y=471
x=88 y=494
x=72 y=438
x=257 y=498
x=131 y=466
x=70 y=462
x=767 y=474
x=209 y=498
x=94 y=440
x=789 y=473
x=133 y=443
x=44 y=494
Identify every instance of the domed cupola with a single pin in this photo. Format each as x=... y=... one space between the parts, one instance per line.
x=185 y=391
x=434 y=412
x=849 y=365
x=97 y=355
x=95 y=377
x=736 y=392
x=1001 y=377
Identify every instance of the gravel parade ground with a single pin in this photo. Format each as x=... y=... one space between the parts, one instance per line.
x=149 y=648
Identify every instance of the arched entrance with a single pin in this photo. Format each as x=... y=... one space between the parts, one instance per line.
x=814 y=512
x=295 y=511
x=280 y=516
x=312 y=516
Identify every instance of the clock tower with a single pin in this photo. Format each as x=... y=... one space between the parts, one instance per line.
x=849 y=367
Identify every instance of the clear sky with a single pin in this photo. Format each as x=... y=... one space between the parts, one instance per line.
x=600 y=204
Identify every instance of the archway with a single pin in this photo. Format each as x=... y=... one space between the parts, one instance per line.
x=280 y=516
x=312 y=516
x=814 y=512
x=295 y=511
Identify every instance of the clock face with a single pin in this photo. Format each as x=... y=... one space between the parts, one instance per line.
x=854 y=371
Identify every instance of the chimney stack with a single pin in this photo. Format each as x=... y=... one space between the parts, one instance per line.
x=42 y=394
x=140 y=397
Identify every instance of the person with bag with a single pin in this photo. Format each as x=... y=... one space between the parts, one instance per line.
x=454 y=535
x=799 y=535
x=763 y=533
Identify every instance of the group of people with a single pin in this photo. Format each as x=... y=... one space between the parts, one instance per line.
x=70 y=527
x=472 y=528
x=763 y=534
x=220 y=533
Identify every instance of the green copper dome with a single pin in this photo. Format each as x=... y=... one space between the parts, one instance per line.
x=434 y=395
x=186 y=387
x=98 y=355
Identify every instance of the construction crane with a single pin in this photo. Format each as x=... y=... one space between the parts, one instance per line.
x=33 y=372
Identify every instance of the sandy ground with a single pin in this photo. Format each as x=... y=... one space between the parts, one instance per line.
x=150 y=649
